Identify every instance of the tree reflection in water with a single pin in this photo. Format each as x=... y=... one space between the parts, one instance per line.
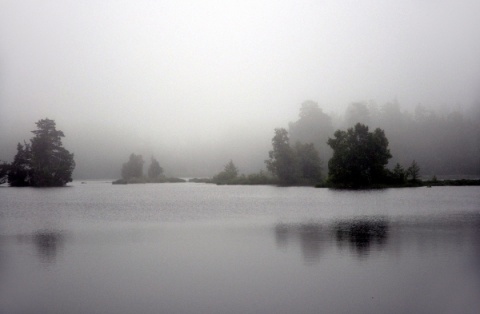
x=48 y=243
x=360 y=235
x=312 y=239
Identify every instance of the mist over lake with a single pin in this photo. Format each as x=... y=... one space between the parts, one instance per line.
x=199 y=248
x=196 y=84
x=262 y=100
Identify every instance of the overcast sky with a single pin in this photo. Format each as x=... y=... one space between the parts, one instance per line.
x=174 y=74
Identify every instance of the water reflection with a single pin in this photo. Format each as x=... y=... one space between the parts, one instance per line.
x=48 y=244
x=311 y=237
x=360 y=235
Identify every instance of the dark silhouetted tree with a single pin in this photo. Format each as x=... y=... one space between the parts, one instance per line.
x=21 y=172
x=4 y=170
x=154 y=170
x=133 y=168
x=52 y=164
x=359 y=157
x=43 y=162
x=399 y=175
x=414 y=172
x=283 y=161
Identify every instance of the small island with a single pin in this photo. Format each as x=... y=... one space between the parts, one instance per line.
x=132 y=172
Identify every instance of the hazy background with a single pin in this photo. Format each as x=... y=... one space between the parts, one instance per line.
x=197 y=83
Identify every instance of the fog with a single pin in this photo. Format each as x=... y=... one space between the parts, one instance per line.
x=197 y=83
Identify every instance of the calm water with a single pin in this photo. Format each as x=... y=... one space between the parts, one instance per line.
x=197 y=248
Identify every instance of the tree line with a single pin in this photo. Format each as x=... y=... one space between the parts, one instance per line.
x=308 y=152
x=359 y=158
x=443 y=144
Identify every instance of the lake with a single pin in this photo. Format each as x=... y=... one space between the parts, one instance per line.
x=199 y=248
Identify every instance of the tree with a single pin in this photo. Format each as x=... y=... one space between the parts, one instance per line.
x=133 y=168
x=283 y=161
x=359 y=157
x=357 y=112
x=399 y=174
x=309 y=162
x=414 y=172
x=21 y=172
x=229 y=173
x=293 y=165
x=43 y=162
x=154 y=170
x=4 y=170
x=313 y=126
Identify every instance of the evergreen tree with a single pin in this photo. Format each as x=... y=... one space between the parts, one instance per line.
x=4 y=170
x=229 y=173
x=399 y=174
x=43 y=162
x=21 y=172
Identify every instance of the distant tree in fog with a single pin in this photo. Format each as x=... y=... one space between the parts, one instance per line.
x=446 y=144
x=44 y=161
x=359 y=157
x=133 y=168
x=309 y=163
x=414 y=171
x=300 y=164
x=357 y=112
x=229 y=173
x=154 y=170
x=282 y=160
x=313 y=126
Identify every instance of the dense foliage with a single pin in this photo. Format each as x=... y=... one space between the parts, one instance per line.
x=309 y=163
x=42 y=162
x=133 y=168
x=4 y=169
x=132 y=172
x=293 y=165
x=282 y=160
x=442 y=143
x=154 y=170
x=359 y=157
x=229 y=173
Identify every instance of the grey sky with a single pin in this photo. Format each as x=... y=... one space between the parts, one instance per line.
x=172 y=74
